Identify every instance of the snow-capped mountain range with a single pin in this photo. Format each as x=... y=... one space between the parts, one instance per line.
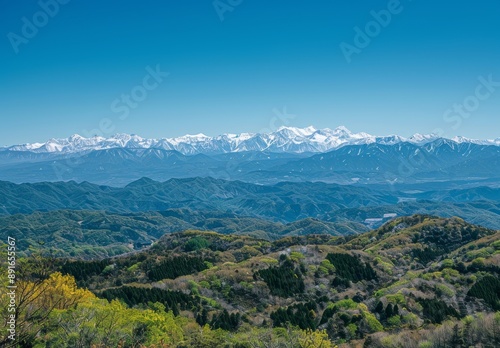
x=284 y=139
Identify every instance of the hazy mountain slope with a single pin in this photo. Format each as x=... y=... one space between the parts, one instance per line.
x=283 y=202
x=406 y=162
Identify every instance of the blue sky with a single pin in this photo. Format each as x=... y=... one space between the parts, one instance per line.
x=231 y=66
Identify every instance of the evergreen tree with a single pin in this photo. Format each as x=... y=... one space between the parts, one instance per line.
x=456 y=339
x=389 y=311
x=488 y=288
x=202 y=318
x=396 y=310
x=351 y=268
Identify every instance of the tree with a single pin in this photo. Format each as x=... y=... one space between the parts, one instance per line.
x=488 y=289
x=208 y=338
x=202 y=318
x=456 y=339
x=196 y=243
x=39 y=293
x=285 y=280
x=314 y=339
x=389 y=311
x=99 y=323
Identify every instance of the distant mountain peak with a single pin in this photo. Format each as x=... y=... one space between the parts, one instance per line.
x=423 y=138
x=144 y=181
x=342 y=129
x=297 y=131
x=75 y=137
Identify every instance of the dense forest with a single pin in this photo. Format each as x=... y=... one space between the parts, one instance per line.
x=418 y=281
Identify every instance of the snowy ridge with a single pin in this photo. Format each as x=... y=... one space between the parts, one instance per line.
x=284 y=139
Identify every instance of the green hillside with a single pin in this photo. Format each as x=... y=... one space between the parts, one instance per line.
x=418 y=281
x=97 y=234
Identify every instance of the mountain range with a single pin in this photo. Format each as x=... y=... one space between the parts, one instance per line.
x=284 y=139
x=289 y=154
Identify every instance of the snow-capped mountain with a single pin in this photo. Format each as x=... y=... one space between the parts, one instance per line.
x=284 y=139
x=475 y=141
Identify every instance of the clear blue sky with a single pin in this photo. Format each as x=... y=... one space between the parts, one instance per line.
x=228 y=75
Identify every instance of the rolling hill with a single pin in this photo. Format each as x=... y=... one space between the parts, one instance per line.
x=419 y=280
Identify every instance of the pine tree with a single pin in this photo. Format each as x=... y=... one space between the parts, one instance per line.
x=456 y=339
x=389 y=311
x=396 y=310
x=202 y=318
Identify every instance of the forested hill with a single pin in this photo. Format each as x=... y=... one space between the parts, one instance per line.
x=98 y=234
x=440 y=276
x=284 y=202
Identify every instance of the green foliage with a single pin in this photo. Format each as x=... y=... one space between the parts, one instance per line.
x=132 y=296
x=285 y=280
x=426 y=255
x=352 y=328
x=83 y=270
x=226 y=321
x=196 y=243
x=98 y=323
x=373 y=324
x=82 y=234
x=326 y=268
x=296 y=256
x=442 y=289
x=447 y=263
x=345 y=304
x=302 y=315
x=394 y=321
x=488 y=289
x=351 y=268
x=174 y=267
x=389 y=311
x=85 y=234
x=437 y=311
x=224 y=302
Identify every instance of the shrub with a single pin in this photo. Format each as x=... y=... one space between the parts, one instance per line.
x=196 y=243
